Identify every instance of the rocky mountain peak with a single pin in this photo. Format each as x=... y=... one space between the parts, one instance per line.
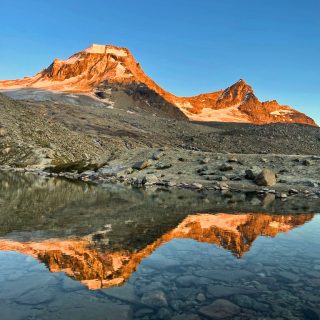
x=234 y=95
x=98 y=67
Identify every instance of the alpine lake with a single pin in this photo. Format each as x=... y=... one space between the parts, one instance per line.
x=78 y=251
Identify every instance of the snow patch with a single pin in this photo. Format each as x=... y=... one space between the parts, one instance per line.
x=184 y=105
x=282 y=112
x=247 y=96
x=105 y=49
x=224 y=93
x=231 y=114
x=121 y=71
x=71 y=60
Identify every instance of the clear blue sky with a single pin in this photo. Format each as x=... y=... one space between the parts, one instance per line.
x=187 y=46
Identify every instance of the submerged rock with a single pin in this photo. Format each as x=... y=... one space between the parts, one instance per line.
x=220 y=309
x=154 y=299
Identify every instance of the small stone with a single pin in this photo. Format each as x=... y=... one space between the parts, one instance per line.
x=140 y=165
x=128 y=171
x=312 y=184
x=87 y=173
x=170 y=183
x=243 y=301
x=162 y=166
x=137 y=181
x=223 y=186
x=176 y=304
x=202 y=169
x=196 y=185
x=252 y=172
x=102 y=94
x=232 y=159
x=6 y=151
x=150 y=180
x=306 y=162
x=157 y=155
x=3 y=131
x=218 y=178
x=220 y=309
x=226 y=167
x=204 y=160
x=266 y=178
x=281 y=195
x=293 y=191
x=201 y=297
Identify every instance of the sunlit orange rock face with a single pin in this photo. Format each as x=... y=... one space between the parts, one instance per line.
x=83 y=261
x=98 y=65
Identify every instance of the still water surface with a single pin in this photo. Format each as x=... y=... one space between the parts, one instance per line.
x=75 y=251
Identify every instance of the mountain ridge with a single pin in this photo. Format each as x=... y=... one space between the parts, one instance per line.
x=99 y=67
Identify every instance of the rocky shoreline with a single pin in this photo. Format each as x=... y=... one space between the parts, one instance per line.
x=279 y=176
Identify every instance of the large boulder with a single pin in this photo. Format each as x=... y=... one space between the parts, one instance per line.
x=266 y=178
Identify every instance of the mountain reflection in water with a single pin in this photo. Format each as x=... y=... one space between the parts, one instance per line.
x=84 y=259
x=154 y=254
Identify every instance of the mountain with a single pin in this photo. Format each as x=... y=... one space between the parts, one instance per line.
x=112 y=75
x=85 y=261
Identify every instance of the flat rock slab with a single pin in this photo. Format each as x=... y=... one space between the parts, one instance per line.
x=224 y=275
x=34 y=297
x=220 y=291
x=125 y=293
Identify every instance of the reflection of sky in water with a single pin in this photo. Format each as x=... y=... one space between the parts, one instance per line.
x=278 y=277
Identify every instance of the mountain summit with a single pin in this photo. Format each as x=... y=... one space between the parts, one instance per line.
x=103 y=69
